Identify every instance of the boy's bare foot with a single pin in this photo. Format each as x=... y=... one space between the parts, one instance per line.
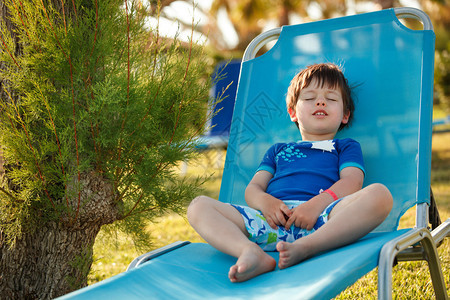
x=290 y=254
x=252 y=262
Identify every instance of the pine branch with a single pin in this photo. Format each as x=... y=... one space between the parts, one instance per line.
x=22 y=123
x=128 y=79
x=9 y=52
x=37 y=36
x=10 y=195
x=21 y=19
x=64 y=16
x=68 y=58
x=74 y=9
x=134 y=207
x=184 y=82
x=96 y=28
x=57 y=139
x=142 y=211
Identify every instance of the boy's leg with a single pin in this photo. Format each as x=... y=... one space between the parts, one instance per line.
x=352 y=218
x=223 y=227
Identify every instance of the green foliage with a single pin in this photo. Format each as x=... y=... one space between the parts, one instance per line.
x=440 y=19
x=442 y=77
x=89 y=89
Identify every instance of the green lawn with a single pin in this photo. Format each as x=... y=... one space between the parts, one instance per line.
x=410 y=280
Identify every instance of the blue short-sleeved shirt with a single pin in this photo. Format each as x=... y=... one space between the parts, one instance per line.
x=304 y=169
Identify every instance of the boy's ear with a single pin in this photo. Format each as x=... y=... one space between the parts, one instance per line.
x=292 y=114
x=346 y=117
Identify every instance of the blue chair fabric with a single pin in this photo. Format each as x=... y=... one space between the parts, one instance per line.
x=383 y=60
x=198 y=271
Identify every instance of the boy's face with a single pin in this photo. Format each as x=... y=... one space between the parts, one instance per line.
x=319 y=112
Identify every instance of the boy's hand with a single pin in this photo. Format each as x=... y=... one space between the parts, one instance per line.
x=304 y=216
x=275 y=212
x=273 y=209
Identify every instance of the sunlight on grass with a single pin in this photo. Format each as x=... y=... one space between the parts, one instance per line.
x=410 y=280
x=111 y=256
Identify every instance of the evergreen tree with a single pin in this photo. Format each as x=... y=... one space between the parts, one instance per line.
x=96 y=110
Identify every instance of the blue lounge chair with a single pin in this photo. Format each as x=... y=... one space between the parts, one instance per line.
x=223 y=96
x=441 y=124
x=218 y=133
x=392 y=67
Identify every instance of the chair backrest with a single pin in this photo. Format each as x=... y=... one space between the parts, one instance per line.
x=392 y=67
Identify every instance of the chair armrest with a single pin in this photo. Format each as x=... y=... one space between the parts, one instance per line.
x=155 y=253
x=441 y=232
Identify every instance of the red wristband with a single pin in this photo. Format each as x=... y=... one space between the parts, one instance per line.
x=331 y=193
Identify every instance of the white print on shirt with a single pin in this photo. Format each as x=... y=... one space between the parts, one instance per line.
x=324 y=145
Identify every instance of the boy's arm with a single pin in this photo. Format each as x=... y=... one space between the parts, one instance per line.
x=306 y=214
x=273 y=209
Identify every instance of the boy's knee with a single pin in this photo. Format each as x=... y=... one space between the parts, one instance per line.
x=195 y=207
x=383 y=196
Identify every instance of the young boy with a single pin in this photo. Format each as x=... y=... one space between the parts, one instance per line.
x=305 y=197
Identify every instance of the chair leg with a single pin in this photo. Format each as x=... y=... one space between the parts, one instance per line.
x=390 y=251
x=385 y=264
x=434 y=265
x=433 y=212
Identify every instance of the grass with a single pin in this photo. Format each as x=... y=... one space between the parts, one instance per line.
x=411 y=280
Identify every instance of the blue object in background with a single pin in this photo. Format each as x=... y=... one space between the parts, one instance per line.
x=217 y=135
x=225 y=88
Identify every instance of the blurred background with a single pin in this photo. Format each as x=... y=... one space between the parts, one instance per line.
x=226 y=27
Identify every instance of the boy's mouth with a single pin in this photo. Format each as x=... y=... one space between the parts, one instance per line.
x=320 y=113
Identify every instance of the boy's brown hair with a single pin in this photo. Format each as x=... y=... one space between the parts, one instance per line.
x=326 y=74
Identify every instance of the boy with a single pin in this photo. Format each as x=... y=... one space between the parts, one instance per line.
x=305 y=197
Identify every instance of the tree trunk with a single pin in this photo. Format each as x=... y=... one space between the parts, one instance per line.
x=47 y=263
x=384 y=4
x=56 y=258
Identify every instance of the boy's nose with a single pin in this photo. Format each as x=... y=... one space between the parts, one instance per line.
x=320 y=102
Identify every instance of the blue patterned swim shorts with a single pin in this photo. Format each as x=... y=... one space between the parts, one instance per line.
x=266 y=237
